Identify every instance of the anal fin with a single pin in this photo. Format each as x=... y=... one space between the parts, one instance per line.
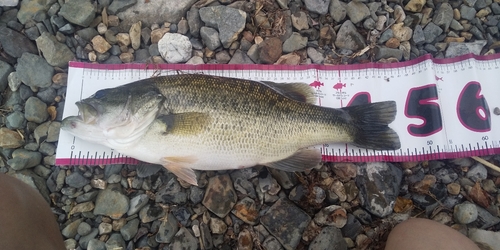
x=302 y=160
x=180 y=167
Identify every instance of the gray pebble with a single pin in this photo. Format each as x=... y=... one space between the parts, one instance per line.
x=317 y=6
x=183 y=239
x=22 y=159
x=477 y=172
x=137 y=203
x=171 y=193
x=229 y=22
x=78 y=12
x=95 y=244
x=210 y=37
x=349 y=38
x=386 y=35
x=431 y=32
x=443 y=16
x=328 y=237
x=71 y=229
x=130 y=229
x=194 y=21
x=119 y=6
x=25 y=92
x=196 y=195
x=76 y=180
x=480 y=4
x=15 y=120
x=116 y=209
x=465 y=213
x=115 y=241
x=295 y=42
x=47 y=148
x=357 y=11
x=467 y=13
x=240 y=57
x=338 y=10
x=34 y=71
x=47 y=95
x=84 y=229
x=167 y=230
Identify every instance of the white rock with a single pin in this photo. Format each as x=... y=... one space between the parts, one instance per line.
x=14 y=81
x=9 y=2
x=487 y=239
x=175 y=48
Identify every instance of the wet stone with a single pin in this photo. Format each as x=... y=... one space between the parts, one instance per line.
x=349 y=38
x=14 y=43
x=111 y=203
x=78 y=12
x=220 y=196
x=171 y=193
x=331 y=216
x=137 y=203
x=84 y=241
x=477 y=172
x=465 y=213
x=217 y=226
x=115 y=241
x=34 y=71
x=378 y=185
x=327 y=238
x=183 y=239
x=352 y=228
x=246 y=210
x=286 y=222
x=22 y=159
x=245 y=241
x=228 y=21
x=70 y=230
x=167 y=229
x=84 y=229
x=150 y=213
x=76 y=180
x=15 y=120
x=95 y=244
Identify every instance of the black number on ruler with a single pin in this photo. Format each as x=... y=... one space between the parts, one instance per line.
x=421 y=104
x=472 y=108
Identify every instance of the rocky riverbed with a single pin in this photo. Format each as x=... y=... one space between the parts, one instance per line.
x=346 y=205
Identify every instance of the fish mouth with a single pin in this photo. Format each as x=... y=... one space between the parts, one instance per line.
x=87 y=112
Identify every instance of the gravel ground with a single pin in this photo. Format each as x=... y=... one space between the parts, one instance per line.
x=146 y=207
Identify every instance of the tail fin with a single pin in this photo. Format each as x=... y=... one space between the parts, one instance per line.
x=373 y=120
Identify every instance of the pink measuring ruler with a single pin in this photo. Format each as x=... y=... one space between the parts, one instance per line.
x=445 y=106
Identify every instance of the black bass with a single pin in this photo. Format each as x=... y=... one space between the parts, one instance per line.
x=195 y=121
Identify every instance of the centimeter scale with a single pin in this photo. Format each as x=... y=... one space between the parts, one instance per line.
x=447 y=108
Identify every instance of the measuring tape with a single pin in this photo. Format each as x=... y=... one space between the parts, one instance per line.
x=446 y=107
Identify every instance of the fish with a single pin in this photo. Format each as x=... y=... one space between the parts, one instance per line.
x=188 y=122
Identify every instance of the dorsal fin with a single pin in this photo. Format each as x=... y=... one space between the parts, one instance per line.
x=298 y=91
x=184 y=123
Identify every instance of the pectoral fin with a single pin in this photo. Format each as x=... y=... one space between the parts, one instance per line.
x=301 y=92
x=184 y=123
x=180 y=167
x=302 y=160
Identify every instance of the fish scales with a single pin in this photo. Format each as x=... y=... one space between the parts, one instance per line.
x=252 y=115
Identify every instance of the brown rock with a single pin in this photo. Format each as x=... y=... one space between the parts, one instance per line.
x=127 y=57
x=123 y=39
x=220 y=196
x=392 y=43
x=326 y=35
x=245 y=241
x=456 y=14
x=217 y=226
x=289 y=59
x=479 y=196
x=82 y=207
x=157 y=34
x=60 y=79
x=246 y=210
x=338 y=188
x=345 y=170
x=10 y=138
x=454 y=39
x=453 y=188
x=100 y=44
x=415 y=5
x=402 y=32
x=135 y=35
x=351 y=190
x=270 y=50
x=331 y=216
x=113 y=21
x=424 y=185
x=409 y=164
x=467 y=35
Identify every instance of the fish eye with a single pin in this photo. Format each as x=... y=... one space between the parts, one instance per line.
x=99 y=94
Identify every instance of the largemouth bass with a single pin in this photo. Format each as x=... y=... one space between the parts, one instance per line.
x=195 y=121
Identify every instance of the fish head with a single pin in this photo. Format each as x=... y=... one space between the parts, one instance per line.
x=115 y=113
